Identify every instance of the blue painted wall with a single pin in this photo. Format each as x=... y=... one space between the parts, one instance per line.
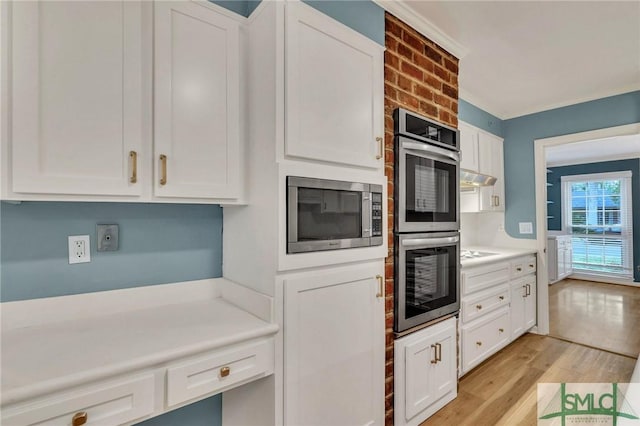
x=554 y=194
x=475 y=116
x=159 y=243
x=207 y=412
x=519 y=134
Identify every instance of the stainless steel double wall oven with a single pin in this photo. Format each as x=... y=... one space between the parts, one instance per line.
x=427 y=220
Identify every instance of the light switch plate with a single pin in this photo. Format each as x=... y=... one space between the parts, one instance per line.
x=107 y=237
x=526 y=227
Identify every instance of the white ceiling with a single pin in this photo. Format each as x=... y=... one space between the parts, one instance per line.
x=522 y=57
x=594 y=151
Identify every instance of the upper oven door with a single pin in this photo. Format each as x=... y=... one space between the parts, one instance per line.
x=427 y=187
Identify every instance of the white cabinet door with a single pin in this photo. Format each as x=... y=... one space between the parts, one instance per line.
x=468 y=147
x=491 y=163
x=425 y=372
x=334 y=91
x=77 y=97
x=334 y=347
x=197 y=91
x=518 y=292
x=530 y=305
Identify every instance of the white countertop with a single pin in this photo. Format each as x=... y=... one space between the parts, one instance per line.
x=501 y=253
x=46 y=357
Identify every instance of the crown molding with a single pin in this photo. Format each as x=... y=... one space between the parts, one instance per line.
x=406 y=13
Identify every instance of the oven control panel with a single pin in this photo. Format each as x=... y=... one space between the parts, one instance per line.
x=376 y=214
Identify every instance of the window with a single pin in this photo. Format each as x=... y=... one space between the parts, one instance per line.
x=597 y=212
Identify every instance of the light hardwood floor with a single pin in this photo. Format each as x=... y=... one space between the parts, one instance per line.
x=605 y=316
x=502 y=390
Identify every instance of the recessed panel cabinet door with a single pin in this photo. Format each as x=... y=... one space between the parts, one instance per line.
x=197 y=91
x=77 y=104
x=334 y=348
x=334 y=86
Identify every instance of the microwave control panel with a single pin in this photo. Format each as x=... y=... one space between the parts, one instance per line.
x=376 y=214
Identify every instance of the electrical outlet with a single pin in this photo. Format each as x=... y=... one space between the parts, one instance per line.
x=79 y=249
x=525 y=227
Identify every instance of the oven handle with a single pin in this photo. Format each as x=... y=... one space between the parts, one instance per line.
x=434 y=150
x=429 y=242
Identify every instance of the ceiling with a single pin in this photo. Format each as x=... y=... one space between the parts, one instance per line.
x=594 y=151
x=521 y=57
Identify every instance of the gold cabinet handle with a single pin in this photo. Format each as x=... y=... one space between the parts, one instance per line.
x=435 y=354
x=528 y=289
x=478 y=307
x=438 y=352
x=380 y=148
x=479 y=343
x=133 y=156
x=380 y=292
x=519 y=269
x=79 y=419
x=224 y=371
x=531 y=265
x=163 y=165
x=501 y=330
x=501 y=297
x=497 y=201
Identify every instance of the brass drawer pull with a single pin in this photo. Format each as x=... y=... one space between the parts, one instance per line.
x=380 y=147
x=134 y=166
x=519 y=269
x=438 y=352
x=224 y=371
x=501 y=330
x=478 y=307
x=531 y=265
x=479 y=343
x=501 y=297
x=79 y=419
x=380 y=286
x=435 y=354
x=163 y=165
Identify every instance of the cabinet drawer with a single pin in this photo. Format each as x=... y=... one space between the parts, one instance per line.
x=476 y=279
x=109 y=404
x=218 y=371
x=484 y=337
x=523 y=266
x=484 y=302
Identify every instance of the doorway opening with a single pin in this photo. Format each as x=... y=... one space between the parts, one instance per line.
x=584 y=208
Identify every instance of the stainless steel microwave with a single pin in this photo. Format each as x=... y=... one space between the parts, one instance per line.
x=329 y=215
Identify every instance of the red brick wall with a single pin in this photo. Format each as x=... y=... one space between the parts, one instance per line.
x=422 y=77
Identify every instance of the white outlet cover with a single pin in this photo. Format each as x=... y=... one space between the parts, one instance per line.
x=79 y=249
x=526 y=227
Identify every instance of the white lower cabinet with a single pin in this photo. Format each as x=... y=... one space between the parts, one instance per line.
x=425 y=373
x=523 y=305
x=484 y=337
x=334 y=346
x=498 y=305
x=111 y=403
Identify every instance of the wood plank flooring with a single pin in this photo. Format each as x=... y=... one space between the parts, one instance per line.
x=605 y=316
x=502 y=390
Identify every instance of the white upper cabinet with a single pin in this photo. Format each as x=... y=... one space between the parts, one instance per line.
x=334 y=91
x=76 y=96
x=491 y=163
x=468 y=147
x=482 y=152
x=197 y=95
x=123 y=101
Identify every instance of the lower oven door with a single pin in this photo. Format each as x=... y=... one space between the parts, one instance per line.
x=427 y=282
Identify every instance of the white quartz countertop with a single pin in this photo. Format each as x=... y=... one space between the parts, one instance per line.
x=501 y=253
x=46 y=357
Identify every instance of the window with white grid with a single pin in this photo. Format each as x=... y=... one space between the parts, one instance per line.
x=597 y=213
